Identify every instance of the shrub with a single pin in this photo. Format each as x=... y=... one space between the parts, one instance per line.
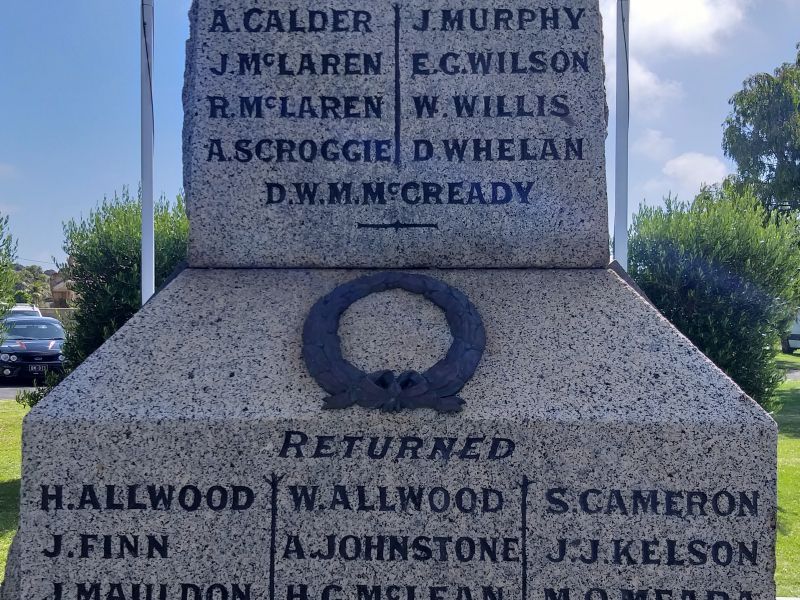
x=104 y=265
x=726 y=274
x=8 y=277
x=31 y=397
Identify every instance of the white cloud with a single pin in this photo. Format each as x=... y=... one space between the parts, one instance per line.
x=681 y=26
x=693 y=169
x=684 y=26
x=654 y=145
x=672 y=27
x=682 y=177
x=649 y=92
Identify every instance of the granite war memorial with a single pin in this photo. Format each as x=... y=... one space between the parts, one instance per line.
x=397 y=366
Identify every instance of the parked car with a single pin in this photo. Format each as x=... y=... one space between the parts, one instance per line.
x=31 y=346
x=24 y=310
x=791 y=342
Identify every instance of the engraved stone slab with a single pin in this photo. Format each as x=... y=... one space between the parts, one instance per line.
x=631 y=469
x=371 y=133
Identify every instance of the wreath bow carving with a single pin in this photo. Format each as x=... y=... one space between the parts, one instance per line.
x=392 y=393
x=435 y=388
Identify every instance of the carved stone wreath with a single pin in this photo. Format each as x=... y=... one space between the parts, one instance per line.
x=435 y=388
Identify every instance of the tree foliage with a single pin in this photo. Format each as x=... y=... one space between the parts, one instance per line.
x=727 y=274
x=104 y=265
x=32 y=285
x=8 y=253
x=762 y=134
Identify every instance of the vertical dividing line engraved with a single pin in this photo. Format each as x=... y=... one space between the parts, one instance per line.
x=524 y=534
x=273 y=482
x=397 y=107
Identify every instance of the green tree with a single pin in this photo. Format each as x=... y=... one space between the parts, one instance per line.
x=8 y=253
x=33 y=285
x=104 y=265
x=762 y=134
x=726 y=274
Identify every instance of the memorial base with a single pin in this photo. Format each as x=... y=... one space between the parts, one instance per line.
x=598 y=455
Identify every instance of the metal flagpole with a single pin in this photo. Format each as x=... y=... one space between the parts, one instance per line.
x=148 y=130
x=623 y=126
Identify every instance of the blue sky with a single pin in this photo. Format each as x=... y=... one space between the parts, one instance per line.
x=69 y=107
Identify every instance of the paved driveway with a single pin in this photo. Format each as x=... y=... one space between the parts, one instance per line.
x=9 y=389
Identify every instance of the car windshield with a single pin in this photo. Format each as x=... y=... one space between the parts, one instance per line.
x=33 y=330
x=22 y=312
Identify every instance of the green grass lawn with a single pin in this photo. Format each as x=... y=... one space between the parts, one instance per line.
x=11 y=415
x=789 y=361
x=787 y=575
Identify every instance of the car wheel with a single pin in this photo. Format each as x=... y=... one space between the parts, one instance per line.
x=785 y=348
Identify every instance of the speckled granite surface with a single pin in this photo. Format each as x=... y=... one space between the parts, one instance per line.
x=519 y=183
x=598 y=452
x=561 y=344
